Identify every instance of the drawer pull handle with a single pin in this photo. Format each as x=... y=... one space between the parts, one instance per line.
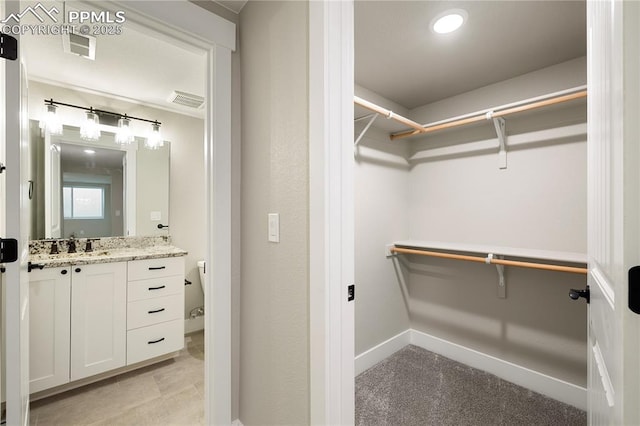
x=157 y=288
x=156 y=311
x=155 y=341
x=155 y=268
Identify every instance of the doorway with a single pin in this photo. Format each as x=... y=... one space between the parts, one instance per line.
x=215 y=39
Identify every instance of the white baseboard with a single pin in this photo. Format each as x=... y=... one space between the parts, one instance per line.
x=236 y=422
x=385 y=349
x=193 y=324
x=538 y=382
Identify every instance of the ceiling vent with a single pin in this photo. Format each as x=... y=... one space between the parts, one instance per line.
x=80 y=44
x=186 y=99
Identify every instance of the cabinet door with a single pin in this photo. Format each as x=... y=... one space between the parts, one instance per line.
x=98 y=318
x=49 y=334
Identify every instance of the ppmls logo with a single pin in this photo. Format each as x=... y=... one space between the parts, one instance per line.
x=85 y=22
x=38 y=10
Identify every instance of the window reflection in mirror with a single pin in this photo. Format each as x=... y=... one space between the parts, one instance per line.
x=96 y=189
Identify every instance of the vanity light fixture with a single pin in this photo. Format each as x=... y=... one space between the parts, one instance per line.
x=52 y=122
x=90 y=128
x=154 y=139
x=449 y=21
x=124 y=135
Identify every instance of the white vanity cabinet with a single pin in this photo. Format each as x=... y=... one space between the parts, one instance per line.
x=77 y=322
x=94 y=318
x=155 y=308
x=49 y=327
x=98 y=318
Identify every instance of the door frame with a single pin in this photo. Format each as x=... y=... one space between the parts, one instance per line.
x=331 y=210
x=189 y=23
x=192 y=25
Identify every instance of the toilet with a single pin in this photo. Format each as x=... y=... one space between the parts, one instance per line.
x=201 y=268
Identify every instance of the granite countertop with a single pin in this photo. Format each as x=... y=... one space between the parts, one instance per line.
x=106 y=252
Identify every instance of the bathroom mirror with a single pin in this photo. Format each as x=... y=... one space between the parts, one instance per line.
x=98 y=188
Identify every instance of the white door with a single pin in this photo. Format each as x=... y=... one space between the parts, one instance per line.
x=14 y=139
x=614 y=220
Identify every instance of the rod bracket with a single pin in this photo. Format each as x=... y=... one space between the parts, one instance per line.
x=371 y=120
x=387 y=250
x=502 y=287
x=500 y=125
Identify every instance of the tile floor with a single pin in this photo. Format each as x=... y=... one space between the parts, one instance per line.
x=168 y=393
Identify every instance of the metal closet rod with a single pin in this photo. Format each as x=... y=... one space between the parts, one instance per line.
x=539 y=102
x=492 y=260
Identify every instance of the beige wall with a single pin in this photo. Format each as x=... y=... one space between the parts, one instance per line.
x=381 y=184
x=274 y=324
x=538 y=202
x=186 y=187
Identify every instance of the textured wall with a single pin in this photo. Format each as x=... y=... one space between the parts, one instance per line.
x=274 y=323
x=381 y=199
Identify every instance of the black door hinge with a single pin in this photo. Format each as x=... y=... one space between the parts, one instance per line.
x=2 y=168
x=8 y=47
x=8 y=250
x=351 y=292
x=634 y=289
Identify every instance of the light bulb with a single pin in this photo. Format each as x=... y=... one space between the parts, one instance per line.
x=124 y=135
x=90 y=128
x=52 y=121
x=154 y=139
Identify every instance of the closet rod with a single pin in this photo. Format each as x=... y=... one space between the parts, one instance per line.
x=491 y=260
x=388 y=113
x=501 y=111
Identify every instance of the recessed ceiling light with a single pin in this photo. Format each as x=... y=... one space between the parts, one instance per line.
x=448 y=21
x=89 y=151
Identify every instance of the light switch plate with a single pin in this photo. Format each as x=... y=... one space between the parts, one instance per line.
x=156 y=216
x=274 y=227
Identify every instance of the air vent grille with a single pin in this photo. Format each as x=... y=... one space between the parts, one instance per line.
x=79 y=44
x=186 y=99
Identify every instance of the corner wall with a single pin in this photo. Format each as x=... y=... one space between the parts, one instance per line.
x=274 y=322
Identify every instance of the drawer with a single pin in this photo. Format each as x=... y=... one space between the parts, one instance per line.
x=154 y=268
x=142 y=313
x=155 y=340
x=155 y=287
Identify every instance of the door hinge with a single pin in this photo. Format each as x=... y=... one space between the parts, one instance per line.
x=2 y=167
x=8 y=47
x=351 y=292
x=8 y=250
x=634 y=289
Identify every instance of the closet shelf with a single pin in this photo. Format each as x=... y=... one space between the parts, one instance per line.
x=489 y=114
x=492 y=254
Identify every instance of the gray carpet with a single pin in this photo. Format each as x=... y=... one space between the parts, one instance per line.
x=417 y=387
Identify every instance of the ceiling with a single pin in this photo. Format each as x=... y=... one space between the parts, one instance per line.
x=396 y=53
x=399 y=57
x=233 y=5
x=136 y=65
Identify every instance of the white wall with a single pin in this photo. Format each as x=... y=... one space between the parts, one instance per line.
x=186 y=185
x=381 y=185
x=456 y=193
x=274 y=323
